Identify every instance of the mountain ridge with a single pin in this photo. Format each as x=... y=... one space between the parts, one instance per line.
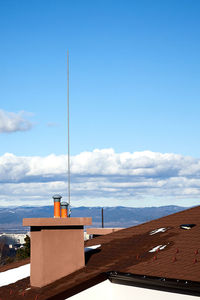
x=117 y=216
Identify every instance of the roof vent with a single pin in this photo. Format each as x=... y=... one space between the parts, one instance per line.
x=187 y=226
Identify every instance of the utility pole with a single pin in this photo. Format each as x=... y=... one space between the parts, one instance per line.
x=102 y=219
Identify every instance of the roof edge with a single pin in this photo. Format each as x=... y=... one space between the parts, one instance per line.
x=78 y=288
x=156 y=283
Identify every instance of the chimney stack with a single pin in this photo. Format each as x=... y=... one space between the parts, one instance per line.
x=56 y=235
x=64 y=236
x=57 y=199
x=64 y=209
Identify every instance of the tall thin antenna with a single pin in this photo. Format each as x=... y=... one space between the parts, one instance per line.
x=68 y=133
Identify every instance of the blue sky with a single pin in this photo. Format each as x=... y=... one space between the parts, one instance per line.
x=134 y=77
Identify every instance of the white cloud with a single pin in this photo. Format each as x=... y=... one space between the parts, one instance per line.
x=12 y=122
x=101 y=176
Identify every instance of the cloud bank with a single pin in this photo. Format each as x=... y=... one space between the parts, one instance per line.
x=12 y=122
x=101 y=177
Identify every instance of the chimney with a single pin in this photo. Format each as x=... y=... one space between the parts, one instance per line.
x=57 y=199
x=64 y=236
x=64 y=209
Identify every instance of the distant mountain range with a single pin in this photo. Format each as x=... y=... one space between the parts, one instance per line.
x=119 y=216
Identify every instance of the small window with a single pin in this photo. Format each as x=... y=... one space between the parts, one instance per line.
x=187 y=226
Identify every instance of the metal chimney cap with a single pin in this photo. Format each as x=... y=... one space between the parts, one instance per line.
x=64 y=205
x=57 y=198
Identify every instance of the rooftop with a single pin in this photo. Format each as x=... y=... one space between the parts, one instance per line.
x=159 y=248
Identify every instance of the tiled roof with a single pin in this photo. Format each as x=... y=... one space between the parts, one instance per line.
x=127 y=251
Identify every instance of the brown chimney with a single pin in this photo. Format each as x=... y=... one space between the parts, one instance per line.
x=64 y=236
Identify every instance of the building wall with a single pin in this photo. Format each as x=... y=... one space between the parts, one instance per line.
x=111 y=291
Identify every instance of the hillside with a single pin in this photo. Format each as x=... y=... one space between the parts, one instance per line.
x=11 y=218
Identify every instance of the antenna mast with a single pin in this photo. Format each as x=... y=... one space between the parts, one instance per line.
x=68 y=133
